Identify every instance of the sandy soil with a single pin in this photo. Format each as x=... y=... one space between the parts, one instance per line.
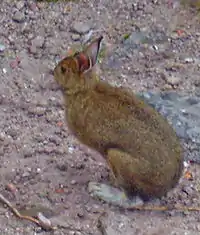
x=41 y=162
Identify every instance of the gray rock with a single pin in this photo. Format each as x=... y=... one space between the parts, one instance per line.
x=136 y=42
x=19 y=5
x=172 y=80
x=38 y=42
x=136 y=38
x=145 y=37
x=183 y=113
x=81 y=27
x=76 y=36
x=33 y=5
x=194 y=134
x=19 y=17
x=86 y=37
x=12 y=132
x=115 y=224
x=25 y=28
x=33 y=49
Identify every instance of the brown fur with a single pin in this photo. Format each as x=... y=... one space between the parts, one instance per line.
x=140 y=146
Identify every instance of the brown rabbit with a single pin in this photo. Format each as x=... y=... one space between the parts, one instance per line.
x=140 y=147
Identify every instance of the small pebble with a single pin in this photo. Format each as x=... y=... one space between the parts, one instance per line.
x=2 y=48
x=66 y=10
x=155 y=47
x=172 y=80
x=32 y=5
x=38 y=42
x=76 y=36
x=2 y=136
x=19 y=17
x=197 y=81
x=29 y=169
x=38 y=170
x=12 y=132
x=62 y=167
x=26 y=174
x=81 y=27
x=189 y=60
x=135 y=38
x=72 y=232
x=186 y=164
x=80 y=214
x=41 y=5
x=39 y=111
x=55 y=139
x=188 y=190
x=11 y=39
x=44 y=222
x=11 y=187
x=19 y=5
x=73 y=182
x=154 y=1
x=71 y=149
x=14 y=63
x=4 y=70
x=33 y=49
x=80 y=165
x=27 y=152
x=87 y=37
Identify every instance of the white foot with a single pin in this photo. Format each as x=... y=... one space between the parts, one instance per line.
x=113 y=195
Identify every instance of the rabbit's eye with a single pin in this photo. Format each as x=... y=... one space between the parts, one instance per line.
x=63 y=69
x=76 y=53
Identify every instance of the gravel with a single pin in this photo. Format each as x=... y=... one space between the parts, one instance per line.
x=151 y=47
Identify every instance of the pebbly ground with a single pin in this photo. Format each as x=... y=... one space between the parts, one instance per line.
x=151 y=47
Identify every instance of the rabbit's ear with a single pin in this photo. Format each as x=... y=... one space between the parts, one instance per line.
x=88 y=58
x=92 y=50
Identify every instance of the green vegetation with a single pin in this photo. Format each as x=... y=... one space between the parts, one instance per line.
x=191 y=3
x=126 y=36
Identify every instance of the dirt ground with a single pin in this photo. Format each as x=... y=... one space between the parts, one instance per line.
x=41 y=162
